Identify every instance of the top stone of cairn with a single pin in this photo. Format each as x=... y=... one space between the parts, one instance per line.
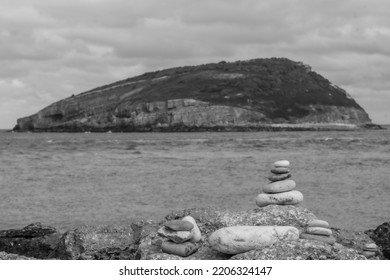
x=282 y=163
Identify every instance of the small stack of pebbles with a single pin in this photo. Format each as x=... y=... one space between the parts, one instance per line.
x=280 y=189
x=370 y=250
x=182 y=237
x=318 y=230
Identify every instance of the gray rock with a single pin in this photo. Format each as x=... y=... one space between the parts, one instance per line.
x=175 y=236
x=35 y=240
x=98 y=243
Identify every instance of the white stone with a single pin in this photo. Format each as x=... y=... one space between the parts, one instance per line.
x=284 y=198
x=279 y=186
x=175 y=236
x=318 y=223
x=282 y=163
x=196 y=234
x=319 y=231
x=240 y=239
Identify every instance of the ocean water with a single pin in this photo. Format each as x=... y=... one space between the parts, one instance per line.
x=66 y=180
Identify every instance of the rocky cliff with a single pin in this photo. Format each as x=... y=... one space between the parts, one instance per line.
x=257 y=94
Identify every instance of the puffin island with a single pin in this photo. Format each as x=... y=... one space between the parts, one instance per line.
x=252 y=95
x=278 y=229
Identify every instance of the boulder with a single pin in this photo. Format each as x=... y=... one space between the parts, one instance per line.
x=239 y=239
x=381 y=236
x=98 y=243
x=301 y=250
x=35 y=240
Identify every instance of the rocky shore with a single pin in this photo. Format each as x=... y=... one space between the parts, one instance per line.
x=141 y=240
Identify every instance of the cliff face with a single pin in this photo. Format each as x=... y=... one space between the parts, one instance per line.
x=253 y=94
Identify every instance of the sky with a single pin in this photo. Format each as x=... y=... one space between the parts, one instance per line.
x=51 y=49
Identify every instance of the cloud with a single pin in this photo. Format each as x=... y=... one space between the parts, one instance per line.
x=57 y=48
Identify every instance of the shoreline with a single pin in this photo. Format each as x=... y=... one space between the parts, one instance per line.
x=219 y=128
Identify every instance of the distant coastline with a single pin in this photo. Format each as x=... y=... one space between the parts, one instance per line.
x=225 y=128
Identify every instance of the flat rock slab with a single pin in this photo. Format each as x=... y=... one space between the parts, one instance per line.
x=282 y=163
x=279 y=177
x=318 y=223
x=179 y=225
x=319 y=231
x=280 y=170
x=239 y=239
x=321 y=238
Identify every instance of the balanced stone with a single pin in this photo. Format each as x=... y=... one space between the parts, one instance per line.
x=176 y=236
x=179 y=225
x=280 y=170
x=327 y=239
x=282 y=163
x=196 y=234
x=240 y=239
x=184 y=249
x=369 y=254
x=279 y=186
x=279 y=177
x=319 y=231
x=284 y=198
x=370 y=247
x=318 y=223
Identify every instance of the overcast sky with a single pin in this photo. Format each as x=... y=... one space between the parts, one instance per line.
x=51 y=49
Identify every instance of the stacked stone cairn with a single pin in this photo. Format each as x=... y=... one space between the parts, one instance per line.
x=318 y=230
x=181 y=237
x=370 y=250
x=280 y=190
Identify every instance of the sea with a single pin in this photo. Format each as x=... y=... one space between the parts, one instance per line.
x=67 y=180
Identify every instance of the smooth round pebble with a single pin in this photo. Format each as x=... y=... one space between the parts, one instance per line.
x=184 y=249
x=240 y=239
x=318 y=223
x=279 y=186
x=282 y=163
x=280 y=170
x=279 y=177
x=327 y=239
x=196 y=234
x=369 y=254
x=284 y=198
x=178 y=225
x=370 y=247
x=319 y=231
